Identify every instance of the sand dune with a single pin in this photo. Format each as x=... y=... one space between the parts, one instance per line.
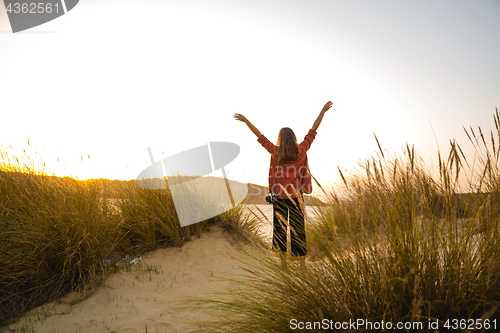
x=148 y=298
x=151 y=296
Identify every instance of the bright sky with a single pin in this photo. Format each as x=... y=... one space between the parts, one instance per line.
x=111 y=78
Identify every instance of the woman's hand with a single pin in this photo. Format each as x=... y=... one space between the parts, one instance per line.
x=240 y=117
x=327 y=107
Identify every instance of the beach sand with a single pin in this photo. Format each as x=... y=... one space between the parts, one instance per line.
x=151 y=296
x=148 y=298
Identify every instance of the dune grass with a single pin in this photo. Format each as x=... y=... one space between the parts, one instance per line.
x=59 y=234
x=54 y=234
x=398 y=246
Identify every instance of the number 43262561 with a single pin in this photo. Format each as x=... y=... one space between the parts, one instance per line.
x=32 y=8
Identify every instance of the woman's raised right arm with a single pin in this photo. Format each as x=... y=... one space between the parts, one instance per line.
x=327 y=106
x=242 y=118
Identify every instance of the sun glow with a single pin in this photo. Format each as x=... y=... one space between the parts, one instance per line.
x=174 y=79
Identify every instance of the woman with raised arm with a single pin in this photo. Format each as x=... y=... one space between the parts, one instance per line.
x=289 y=179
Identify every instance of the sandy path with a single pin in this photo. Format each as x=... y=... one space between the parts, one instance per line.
x=149 y=298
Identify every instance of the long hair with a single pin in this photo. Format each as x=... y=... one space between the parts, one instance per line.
x=287 y=143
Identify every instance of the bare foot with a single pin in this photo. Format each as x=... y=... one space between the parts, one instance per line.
x=302 y=260
x=283 y=259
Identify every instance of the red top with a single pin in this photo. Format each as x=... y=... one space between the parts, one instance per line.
x=286 y=177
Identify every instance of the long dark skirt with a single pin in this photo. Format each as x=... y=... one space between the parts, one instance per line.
x=282 y=209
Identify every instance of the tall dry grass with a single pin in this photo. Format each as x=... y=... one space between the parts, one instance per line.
x=56 y=232
x=397 y=245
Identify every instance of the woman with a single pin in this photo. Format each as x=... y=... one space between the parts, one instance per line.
x=288 y=179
